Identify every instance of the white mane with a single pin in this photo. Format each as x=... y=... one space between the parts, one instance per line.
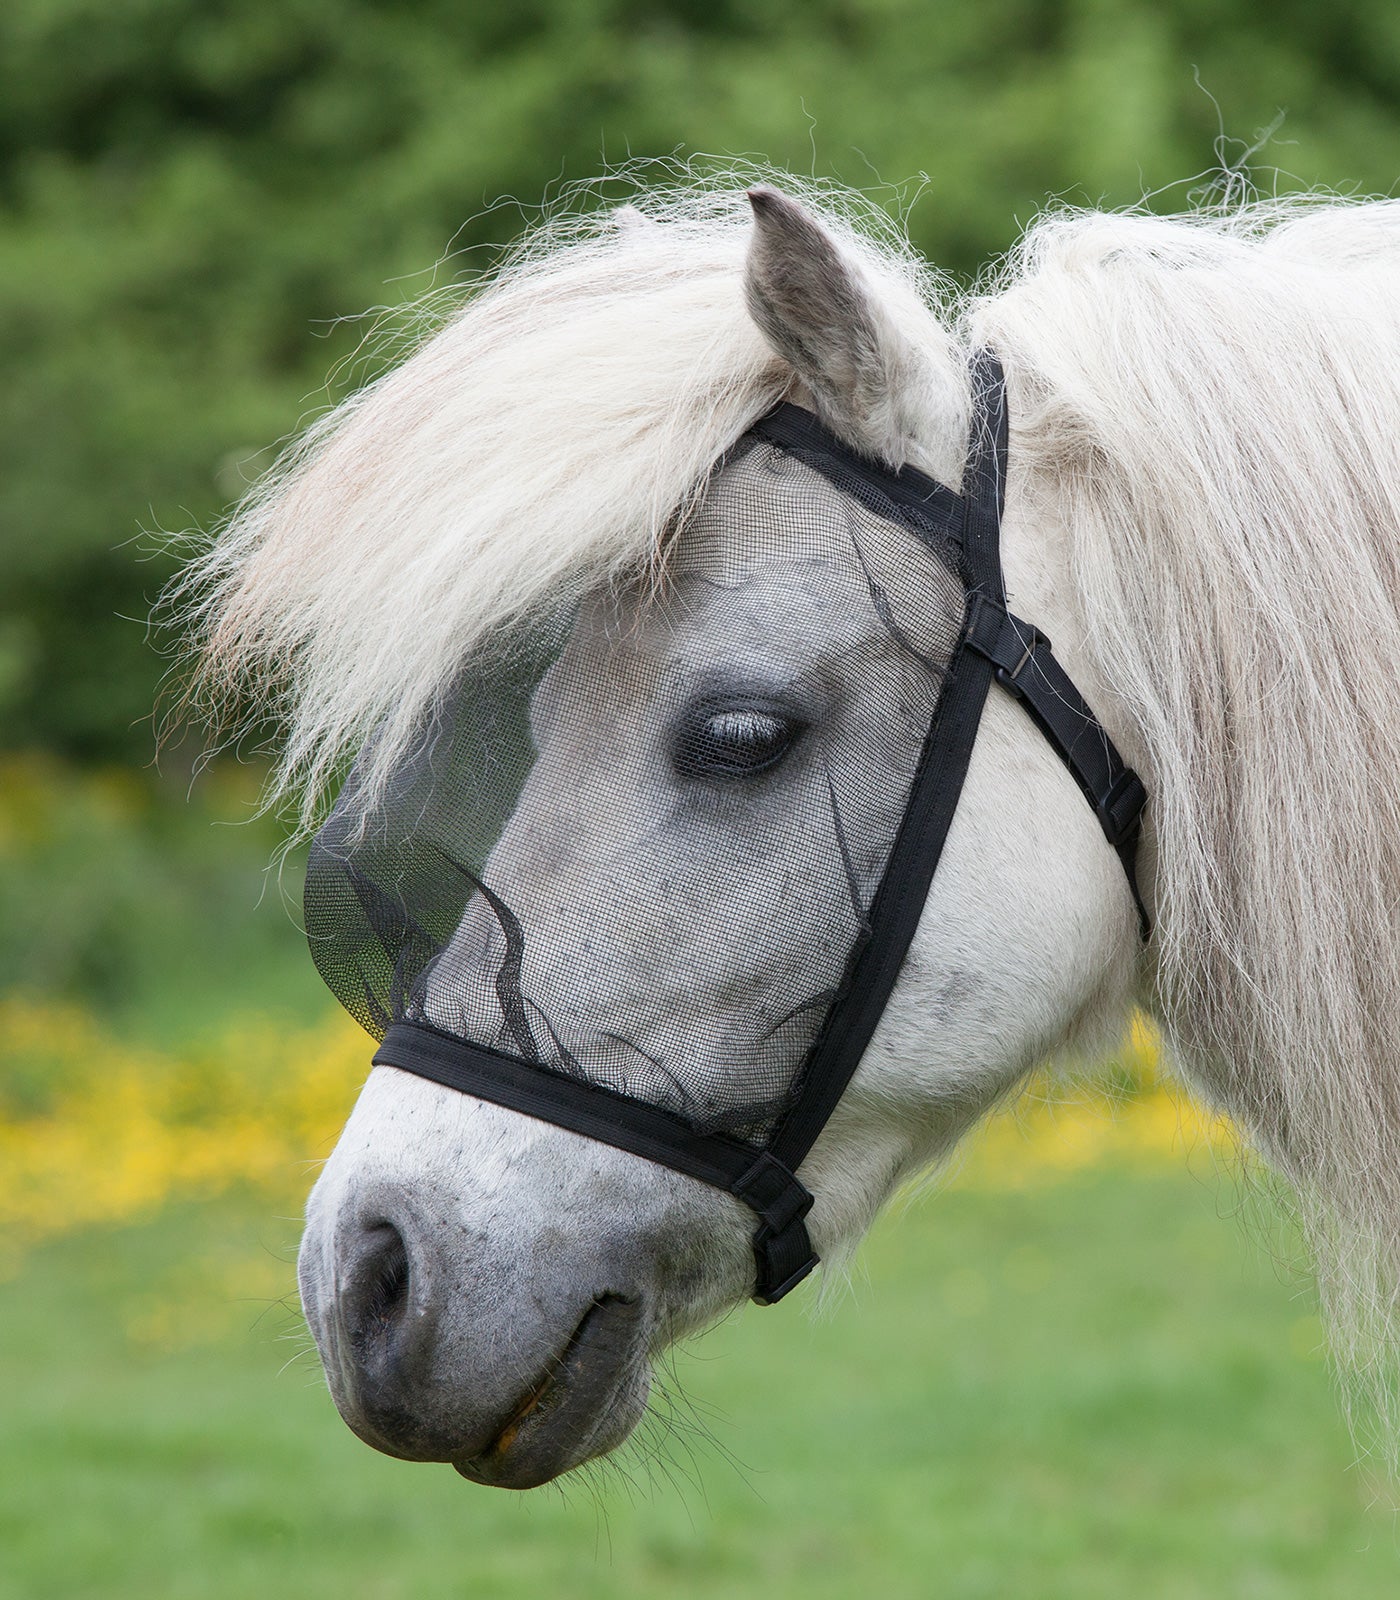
x=1213 y=400
x=1215 y=404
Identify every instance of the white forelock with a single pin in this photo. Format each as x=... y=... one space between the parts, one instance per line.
x=543 y=440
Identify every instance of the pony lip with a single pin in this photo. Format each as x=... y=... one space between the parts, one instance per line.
x=600 y=1374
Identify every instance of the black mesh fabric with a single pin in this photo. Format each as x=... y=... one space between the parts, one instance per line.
x=653 y=870
x=641 y=848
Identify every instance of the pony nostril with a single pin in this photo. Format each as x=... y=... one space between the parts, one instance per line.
x=377 y=1293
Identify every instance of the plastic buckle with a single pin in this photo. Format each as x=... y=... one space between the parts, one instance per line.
x=1036 y=639
x=1120 y=809
x=782 y=1251
x=1006 y=641
x=766 y=1294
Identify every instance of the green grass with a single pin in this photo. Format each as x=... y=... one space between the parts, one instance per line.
x=1095 y=1390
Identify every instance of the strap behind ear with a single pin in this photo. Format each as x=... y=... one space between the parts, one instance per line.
x=984 y=478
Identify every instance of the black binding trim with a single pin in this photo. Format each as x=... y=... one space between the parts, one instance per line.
x=782 y=1251
x=806 y=436
x=984 y=478
x=895 y=913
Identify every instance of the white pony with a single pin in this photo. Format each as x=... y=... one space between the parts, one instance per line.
x=1202 y=511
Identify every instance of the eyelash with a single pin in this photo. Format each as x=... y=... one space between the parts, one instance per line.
x=706 y=748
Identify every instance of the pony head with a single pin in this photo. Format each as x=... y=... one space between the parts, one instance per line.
x=490 y=1290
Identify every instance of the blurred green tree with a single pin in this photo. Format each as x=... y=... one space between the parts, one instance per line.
x=195 y=193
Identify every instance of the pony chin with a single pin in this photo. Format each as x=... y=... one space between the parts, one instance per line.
x=568 y=1424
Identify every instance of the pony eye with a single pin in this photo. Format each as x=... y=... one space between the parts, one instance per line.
x=733 y=741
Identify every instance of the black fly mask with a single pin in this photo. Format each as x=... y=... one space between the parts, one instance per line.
x=653 y=873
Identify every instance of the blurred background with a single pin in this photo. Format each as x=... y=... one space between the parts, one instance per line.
x=1065 y=1374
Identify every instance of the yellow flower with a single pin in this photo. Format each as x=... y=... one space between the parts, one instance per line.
x=122 y=1131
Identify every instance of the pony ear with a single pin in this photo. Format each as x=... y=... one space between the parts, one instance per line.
x=812 y=304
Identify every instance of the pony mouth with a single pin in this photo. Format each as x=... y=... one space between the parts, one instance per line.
x=587 y=1402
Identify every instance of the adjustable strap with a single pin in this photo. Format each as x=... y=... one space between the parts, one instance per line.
x=781 y=1247
x=1027 y=669
x=933 y=796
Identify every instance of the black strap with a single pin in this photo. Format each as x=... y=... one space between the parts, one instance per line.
x=984 y=478
x=781 y=1248
x=873 y=483
x=933 y=796
x=895 y=912
x=1027 y=669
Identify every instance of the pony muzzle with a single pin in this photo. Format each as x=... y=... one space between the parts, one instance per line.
x=416 y=1373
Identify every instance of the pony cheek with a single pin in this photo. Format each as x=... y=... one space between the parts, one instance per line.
x=1028 y=938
